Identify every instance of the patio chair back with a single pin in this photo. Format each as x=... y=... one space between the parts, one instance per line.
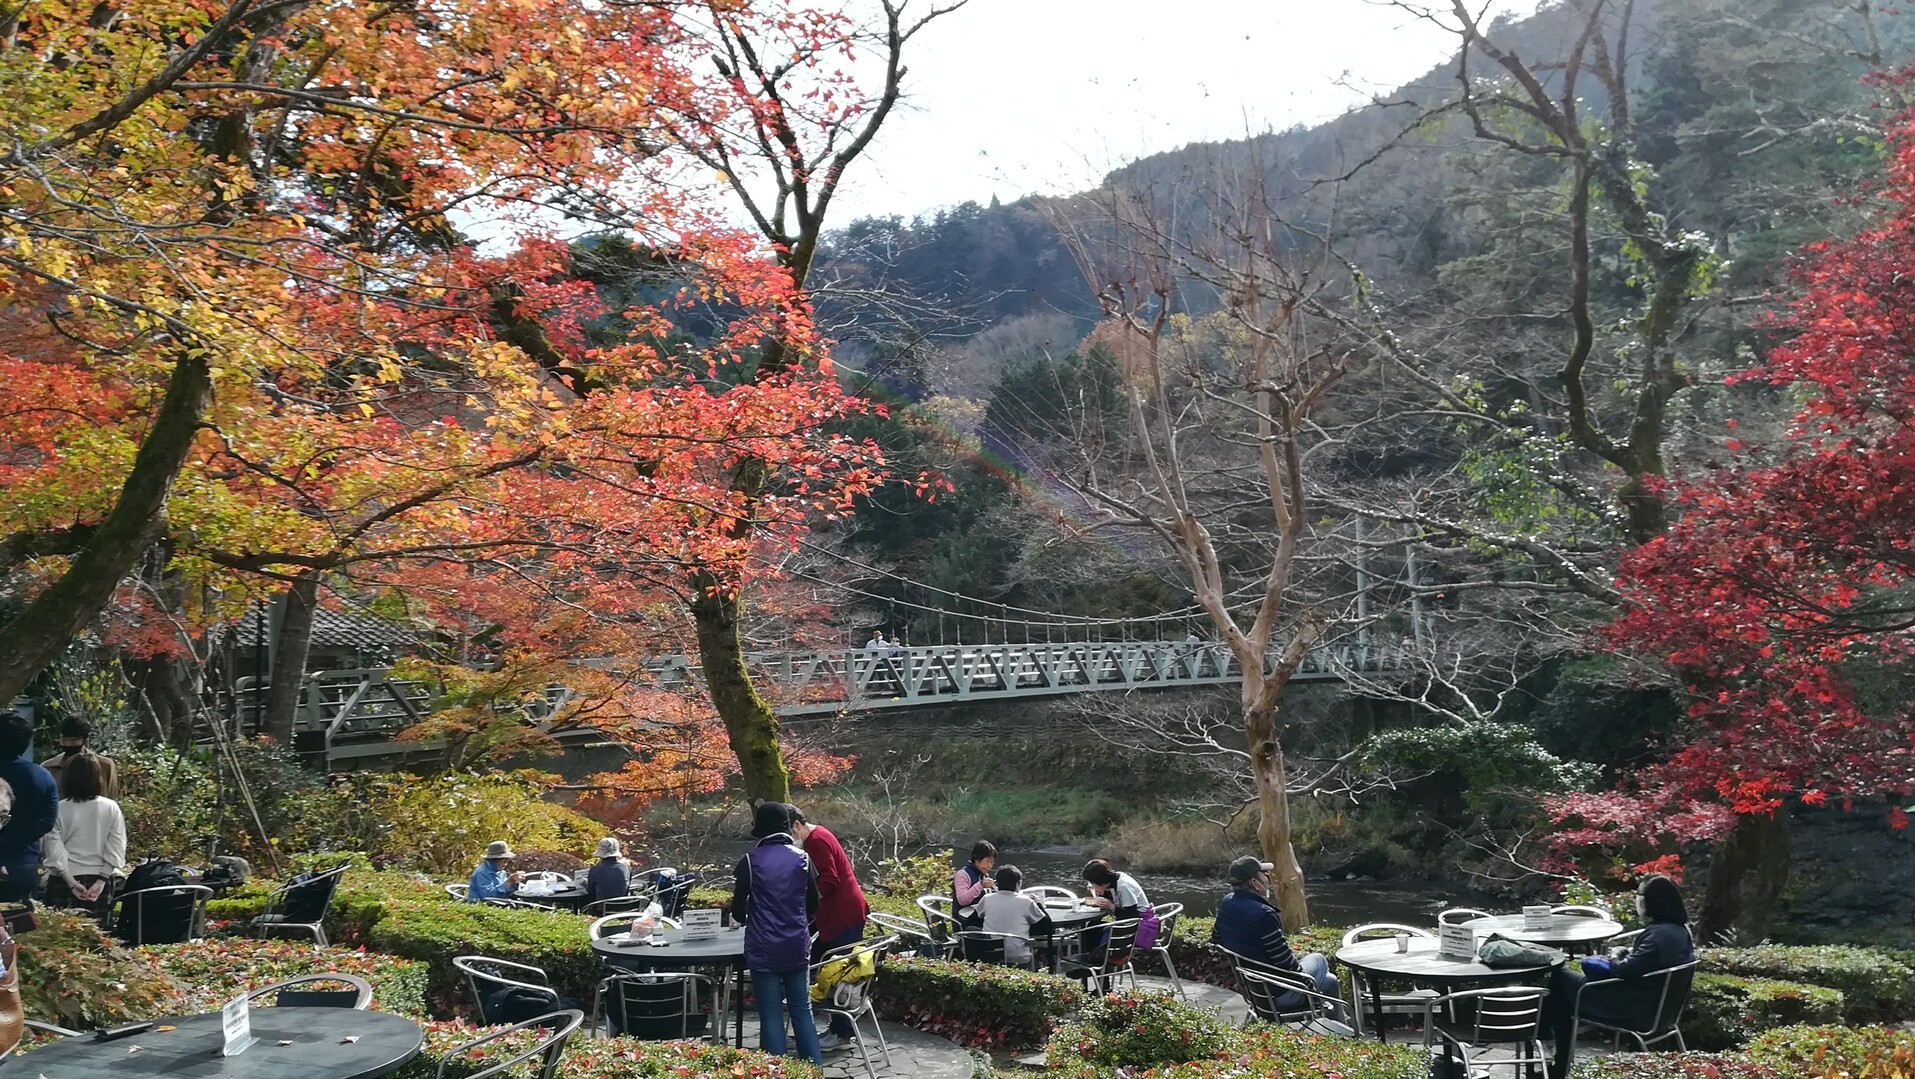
x=559 y=1028
x=1671 y=998
x=978 y=946
x=1265 y=990
x=458 y=891
x=357 y=995
x=502 y=989
x=1499 y=1016
x=170 y=914
x=939 y=916
x=1041 y=892
x=1459 y=915
x=306 y=902
x=655 y=1005
x=1382 y=929
x=633 y=903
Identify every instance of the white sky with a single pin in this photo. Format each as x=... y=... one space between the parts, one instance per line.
x=1014 y=97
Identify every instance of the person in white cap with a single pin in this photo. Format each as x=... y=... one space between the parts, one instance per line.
x=1251 y=926
x=609 y=879
x=490 y=878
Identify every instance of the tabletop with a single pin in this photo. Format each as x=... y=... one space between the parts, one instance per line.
x=725 y=949
x=1069 y=913
x=1422 y=964
x=293 y=1043
x=1563 y=929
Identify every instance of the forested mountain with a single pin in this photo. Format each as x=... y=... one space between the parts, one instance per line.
x=1754 y=128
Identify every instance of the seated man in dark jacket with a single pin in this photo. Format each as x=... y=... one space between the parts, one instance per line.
x=1251 y=926
x=1631 y=1001
x=608 y=879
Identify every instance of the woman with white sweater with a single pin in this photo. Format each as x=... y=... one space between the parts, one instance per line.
x=88 y=844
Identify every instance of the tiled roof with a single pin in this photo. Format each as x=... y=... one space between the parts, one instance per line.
x=336 y=629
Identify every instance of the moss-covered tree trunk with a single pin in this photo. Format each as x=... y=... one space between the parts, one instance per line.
x=1747 y=873
x=750 y=724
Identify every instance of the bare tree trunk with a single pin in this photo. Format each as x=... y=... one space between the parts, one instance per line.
x=292 y=643
x=45 y=627
x=1273 y=810
x=1747 y=872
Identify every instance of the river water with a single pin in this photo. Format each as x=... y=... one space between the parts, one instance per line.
x=1413 y=902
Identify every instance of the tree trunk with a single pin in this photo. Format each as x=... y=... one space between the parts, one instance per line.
x=1747 y=872
x=1273 y=812
x=292 y=644
x=46 y=625
x=749 y=721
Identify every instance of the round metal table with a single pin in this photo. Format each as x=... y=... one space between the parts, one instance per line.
x=669 y=950
x=1375 y=960
x=1563 y=929
x=314 y=1047
x=567 y=897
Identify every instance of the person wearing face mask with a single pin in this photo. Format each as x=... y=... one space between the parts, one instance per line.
x=1665 y=943
x=74 y=733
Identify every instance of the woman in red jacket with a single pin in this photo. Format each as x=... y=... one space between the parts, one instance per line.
x=841 y=906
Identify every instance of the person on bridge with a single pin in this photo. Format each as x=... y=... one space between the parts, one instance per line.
x=877 y=642
x=490 y=878
x=970 y=882
x=1251 y=926
x=841 y=907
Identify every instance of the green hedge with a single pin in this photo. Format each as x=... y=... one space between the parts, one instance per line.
x=1875 y=986
x=434 y=932
x=975 y=1003
x=1876 y=1052
x=1676 y=1066
x=76 y=976
x=216 y=971
x=1147 y=1033
x=1726 y=1010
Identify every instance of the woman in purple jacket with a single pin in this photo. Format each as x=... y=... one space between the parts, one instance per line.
x=776 y=895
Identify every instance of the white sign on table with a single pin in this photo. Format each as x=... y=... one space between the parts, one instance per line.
x=1536 y=918
x=1455 y=942
x=236 y=1020
x=701 y=924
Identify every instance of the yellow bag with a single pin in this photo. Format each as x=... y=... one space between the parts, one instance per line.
x=848 y=971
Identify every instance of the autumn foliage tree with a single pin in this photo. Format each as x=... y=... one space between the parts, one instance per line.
x=1782 y=596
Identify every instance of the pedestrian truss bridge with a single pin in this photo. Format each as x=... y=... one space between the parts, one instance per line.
x=357 y=713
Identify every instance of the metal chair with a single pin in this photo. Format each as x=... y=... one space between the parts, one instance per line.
x=485 y=975
x=1041 y=892
x=940 y=918
x=909 y=933
x=1580 y=910
x=1460 y=915
x=169 y=914
x=458 y=891
x=852 y=998
x=1167 y=916
x=1504 y=1018
x=1120 y=939
x=1264 y=990
x=358 y=997
x=1676 y=983
x=510 y=903
x=550 y=1046
x=301 y=906
x=1414 y=1002
x=979 y=946
x=654 y=1005
x=635 y=902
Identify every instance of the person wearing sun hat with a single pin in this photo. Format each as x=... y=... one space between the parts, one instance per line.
x=609 y=879
x=490 y=879
x=1251 y=926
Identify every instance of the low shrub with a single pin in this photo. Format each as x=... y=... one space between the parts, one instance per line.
x=1675 y=1066
x=1726 y=1010
x=1136 y=1030
x=548 y=861
x=216 y=971
x=975 y=1003
x=1875 y=986
x=1874 y=1052
x=435 y=931
x=74 y=975
x=1263 y=1050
